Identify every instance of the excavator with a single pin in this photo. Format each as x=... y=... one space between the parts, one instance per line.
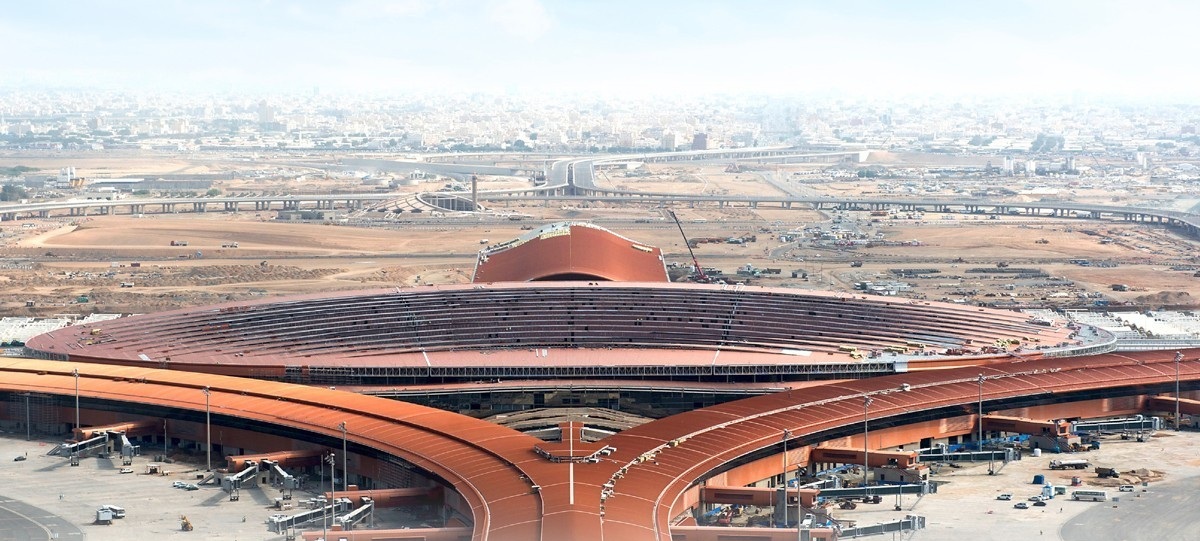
x=700 y=276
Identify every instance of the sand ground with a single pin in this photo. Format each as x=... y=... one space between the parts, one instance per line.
x=52 y=262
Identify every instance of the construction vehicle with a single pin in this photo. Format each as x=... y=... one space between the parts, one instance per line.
x=185 y=524
x=700 y=276
x=1077 y=464
x=1107 y=472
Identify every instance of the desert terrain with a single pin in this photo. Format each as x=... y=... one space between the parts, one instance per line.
x=64 y=265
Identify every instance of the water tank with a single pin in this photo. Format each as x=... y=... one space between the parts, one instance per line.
x=1037 y=452
x=1039 y=479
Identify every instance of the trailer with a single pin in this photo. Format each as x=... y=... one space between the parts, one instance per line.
x=1077 y=464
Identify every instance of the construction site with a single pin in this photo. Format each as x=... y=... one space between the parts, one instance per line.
x=824 y=370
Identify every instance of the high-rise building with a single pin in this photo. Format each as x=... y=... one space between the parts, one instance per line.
x=265 y=112
x=700 y=141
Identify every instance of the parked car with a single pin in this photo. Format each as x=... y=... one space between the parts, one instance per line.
x=126 y=470
x=1021 y=505
x=1037 y=498
x=1006 y=496
x=1039 y=503
x=19 y=458
x=1126 y=488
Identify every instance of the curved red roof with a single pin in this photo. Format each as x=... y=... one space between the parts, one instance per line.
x=548 y=330
x=631 y=494
x=570 y=251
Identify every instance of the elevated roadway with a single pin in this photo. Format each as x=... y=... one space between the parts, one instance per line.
x=573 y=179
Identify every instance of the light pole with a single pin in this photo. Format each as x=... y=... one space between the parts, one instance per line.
x=75 y=372
x=332 y=490
x=345 y=469
x=991 y=463
x=1178 y=359
x=980 y=380
x=325 y=513
x=208 y=424
x=787 y=434
x=866 y=445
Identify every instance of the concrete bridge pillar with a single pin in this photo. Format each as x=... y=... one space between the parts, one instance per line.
x=754 y=204
x=200 y=207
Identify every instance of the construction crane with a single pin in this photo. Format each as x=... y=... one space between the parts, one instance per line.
x=700 y=276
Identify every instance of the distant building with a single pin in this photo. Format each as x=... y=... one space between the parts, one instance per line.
x=266 y=114
x=700 y=141
x=668 y=141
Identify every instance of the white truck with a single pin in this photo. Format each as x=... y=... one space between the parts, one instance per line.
x=1074 y=463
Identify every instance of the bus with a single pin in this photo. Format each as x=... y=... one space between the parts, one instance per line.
x=1090 y=495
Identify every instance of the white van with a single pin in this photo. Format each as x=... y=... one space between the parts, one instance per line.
x=1126 y=488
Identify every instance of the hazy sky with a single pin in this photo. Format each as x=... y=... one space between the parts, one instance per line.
x=1136 y=48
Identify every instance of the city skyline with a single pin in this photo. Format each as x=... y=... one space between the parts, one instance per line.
x=861 y=48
